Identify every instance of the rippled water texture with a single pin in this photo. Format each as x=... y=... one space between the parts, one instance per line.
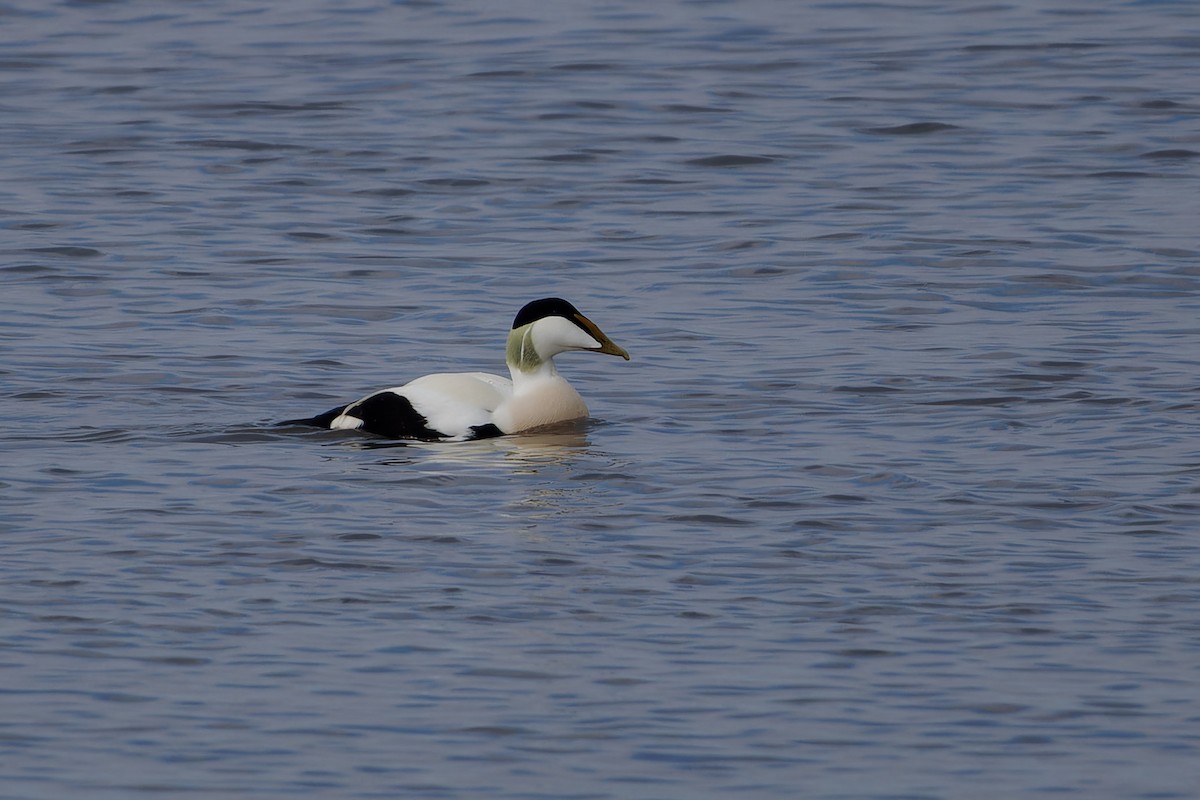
x=896 y=499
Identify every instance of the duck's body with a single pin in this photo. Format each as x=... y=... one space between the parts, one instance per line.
x=455 y=406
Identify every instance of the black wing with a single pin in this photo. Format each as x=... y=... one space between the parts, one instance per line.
x=392 y=415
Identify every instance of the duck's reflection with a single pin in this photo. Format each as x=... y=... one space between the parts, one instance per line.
x=535 y=470
x=523 y=453
x=532 y=481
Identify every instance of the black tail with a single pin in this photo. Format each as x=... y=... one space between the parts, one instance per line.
x=319 y=421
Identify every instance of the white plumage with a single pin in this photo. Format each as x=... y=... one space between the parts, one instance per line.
x=475 y=405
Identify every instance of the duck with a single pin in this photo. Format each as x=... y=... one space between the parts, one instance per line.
x=462 y=406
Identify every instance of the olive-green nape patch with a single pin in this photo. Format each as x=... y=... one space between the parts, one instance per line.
x=520 y=351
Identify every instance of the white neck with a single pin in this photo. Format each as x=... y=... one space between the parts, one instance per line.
x=525 y=363
x=540 y=395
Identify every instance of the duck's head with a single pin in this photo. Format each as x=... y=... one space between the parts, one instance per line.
x=547 y=327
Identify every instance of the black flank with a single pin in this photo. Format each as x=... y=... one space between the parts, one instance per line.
x=392 y=415
x=488 y=431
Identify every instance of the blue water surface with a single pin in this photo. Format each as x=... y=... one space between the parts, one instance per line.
x=898 y=497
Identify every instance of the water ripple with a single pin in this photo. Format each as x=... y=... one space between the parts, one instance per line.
x=896 y=498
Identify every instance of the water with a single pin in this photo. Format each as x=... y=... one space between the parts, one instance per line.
x=897 y=498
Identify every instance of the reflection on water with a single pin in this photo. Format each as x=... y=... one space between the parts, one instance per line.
x=537 y=470
x=554 y=444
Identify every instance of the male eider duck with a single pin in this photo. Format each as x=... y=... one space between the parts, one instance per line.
x=457 y=406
